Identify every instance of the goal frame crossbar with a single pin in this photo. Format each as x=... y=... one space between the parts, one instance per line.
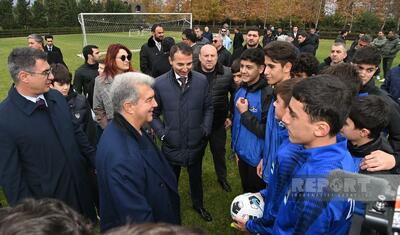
x=81 y=19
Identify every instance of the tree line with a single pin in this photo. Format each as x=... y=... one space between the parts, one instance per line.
x=354 y=15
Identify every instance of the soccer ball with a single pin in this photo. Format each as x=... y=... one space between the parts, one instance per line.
x=247 y=205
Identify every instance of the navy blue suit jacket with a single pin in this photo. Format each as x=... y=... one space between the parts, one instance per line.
x=28 y=169
x=136 y=183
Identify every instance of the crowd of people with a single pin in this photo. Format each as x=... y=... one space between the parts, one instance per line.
x=77 y=150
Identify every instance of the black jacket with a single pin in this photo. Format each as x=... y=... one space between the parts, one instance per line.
x=394 y=116
x=238 y=40
x=314 y=40
x=267 y=39
x=148 y=54
x=162 y=65
x=186 y=117
x=82 y=115
x=84 y=80
x=239 y=52
x=379 y=143
x=224 y=57
x=54 y=56
x=220 y=84
x=326 y=63
x=250 y=121
x=306 y=47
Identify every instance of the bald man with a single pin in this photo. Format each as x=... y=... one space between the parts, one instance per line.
x=220 y=83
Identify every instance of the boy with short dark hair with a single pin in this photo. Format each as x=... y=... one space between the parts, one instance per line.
x=364 y=126
x=285 y=163
x=78 y=104
x=367 y=60
x=252 y=101
x=316 y=113
x=279 y=60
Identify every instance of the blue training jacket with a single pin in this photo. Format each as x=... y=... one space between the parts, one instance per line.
x=275 y=134
x=288 y=159
x=245 y=143
x=308 y=207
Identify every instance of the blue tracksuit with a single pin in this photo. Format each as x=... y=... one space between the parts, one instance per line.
x=245 y=143
x=288 y=159
x=307 y=208
x=275 y=134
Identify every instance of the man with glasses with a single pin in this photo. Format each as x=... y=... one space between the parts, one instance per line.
x=227 y=42
x=40 y=147
x=151 y=50
x=224 y=56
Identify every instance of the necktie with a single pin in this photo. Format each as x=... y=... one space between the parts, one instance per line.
x=183 y=81
x=40 y=104
x=50 y=48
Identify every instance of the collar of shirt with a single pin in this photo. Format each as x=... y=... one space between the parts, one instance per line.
x=34 y=99
x=177 y=77
x=49 y=48
x=158 y=44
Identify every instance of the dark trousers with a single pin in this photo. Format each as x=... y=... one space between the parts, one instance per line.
x=386 y=65
x=217 y=146
x=195 y=181
x=250 y=180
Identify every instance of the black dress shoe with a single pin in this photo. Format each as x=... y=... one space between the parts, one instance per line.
x=203 y=213
x=225 y=185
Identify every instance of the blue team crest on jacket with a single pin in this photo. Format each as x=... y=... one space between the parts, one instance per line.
x=245 y=143
x=253 y=109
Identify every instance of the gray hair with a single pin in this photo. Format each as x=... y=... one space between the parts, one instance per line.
x=23 y=59
x=36 y=37
x=218 y=37
x=340 y=44
x=124 y=87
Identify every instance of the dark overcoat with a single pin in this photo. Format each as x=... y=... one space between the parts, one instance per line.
x=136 y=183
x=40 y=153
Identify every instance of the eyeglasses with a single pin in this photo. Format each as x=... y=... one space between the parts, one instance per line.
x=215 y=41
x=124 y=57
x=223 y=31
x=45 y=73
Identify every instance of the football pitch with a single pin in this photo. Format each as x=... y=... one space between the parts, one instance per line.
x=216 y=200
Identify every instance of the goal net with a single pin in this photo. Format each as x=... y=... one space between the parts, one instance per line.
x=129 y=29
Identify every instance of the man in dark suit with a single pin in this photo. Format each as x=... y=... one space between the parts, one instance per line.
x=54 y=55
x=136 y=183
x=185 y=103
x=40 y=147
x=151 y=50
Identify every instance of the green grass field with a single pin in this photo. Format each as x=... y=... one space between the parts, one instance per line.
x=216 y=200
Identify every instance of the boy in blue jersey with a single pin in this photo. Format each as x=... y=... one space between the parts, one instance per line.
x=317 y=111
x=286 y=162
x=252 y=101
x=279 y=60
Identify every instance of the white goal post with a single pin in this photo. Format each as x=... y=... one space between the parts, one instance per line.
x=129 y=29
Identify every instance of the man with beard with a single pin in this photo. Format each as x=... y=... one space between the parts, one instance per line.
x=152 y=49
x=252 y=41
